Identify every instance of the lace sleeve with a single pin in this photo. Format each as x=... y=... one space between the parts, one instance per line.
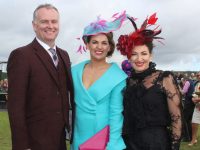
x=174 y=106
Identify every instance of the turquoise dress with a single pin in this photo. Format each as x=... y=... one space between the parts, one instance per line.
x=99 y=105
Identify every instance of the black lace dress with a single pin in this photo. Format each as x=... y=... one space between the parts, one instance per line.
x=152 y=111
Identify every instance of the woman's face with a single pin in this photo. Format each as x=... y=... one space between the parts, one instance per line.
x=198 y=76
x=140 y=58
x=98 y=46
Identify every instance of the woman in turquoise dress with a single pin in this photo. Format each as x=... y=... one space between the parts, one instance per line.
x=98 y=89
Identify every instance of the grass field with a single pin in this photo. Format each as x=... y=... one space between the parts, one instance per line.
x=5 y=140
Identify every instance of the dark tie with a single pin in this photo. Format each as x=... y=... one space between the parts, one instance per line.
x=55 y=57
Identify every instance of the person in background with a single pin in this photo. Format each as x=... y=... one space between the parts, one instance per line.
x=5 y=85
x=196 y=113
x=179 y=77
x=193 y=76
x=1 y=84
x=98 y=85
x=152 y=100
x=188 y=107
x=40 y=82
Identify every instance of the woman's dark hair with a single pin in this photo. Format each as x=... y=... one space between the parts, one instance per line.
x=149 y=46
x=110 y=41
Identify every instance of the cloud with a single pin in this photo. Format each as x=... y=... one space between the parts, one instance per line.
x=177 y=18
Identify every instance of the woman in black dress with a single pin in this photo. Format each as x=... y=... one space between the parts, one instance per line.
x=152 y=101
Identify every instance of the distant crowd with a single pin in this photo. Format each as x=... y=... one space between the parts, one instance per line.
x=190 y=89
x=4 y=86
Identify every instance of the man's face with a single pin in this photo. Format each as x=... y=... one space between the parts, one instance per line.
x=46 y=25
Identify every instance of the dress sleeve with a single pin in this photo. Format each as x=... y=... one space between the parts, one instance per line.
x=174 y=106
x=116 y=118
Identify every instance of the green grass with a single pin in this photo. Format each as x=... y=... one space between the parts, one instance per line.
x=184 y=146
x=5 y=140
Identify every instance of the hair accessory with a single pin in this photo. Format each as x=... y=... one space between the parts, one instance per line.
x=102 y=26
x=139 y=36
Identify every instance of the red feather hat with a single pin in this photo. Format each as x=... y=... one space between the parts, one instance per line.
x=139 y=37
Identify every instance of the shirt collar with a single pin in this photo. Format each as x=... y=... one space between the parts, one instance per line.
x=44 y=45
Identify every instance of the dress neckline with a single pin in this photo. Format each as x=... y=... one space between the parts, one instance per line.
x=87 y=62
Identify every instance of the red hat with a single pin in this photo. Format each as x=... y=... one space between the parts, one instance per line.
x=139 y=37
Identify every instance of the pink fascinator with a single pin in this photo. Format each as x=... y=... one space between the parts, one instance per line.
x=102 y=26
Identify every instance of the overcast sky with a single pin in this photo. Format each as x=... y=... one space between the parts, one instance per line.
x=179 y=20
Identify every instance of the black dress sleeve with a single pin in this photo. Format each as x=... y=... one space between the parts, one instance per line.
x=174 y=106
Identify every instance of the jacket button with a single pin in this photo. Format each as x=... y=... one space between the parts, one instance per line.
x=58 y=112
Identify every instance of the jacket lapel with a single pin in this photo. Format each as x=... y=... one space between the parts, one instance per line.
x=45 y=59
x=67 y=64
